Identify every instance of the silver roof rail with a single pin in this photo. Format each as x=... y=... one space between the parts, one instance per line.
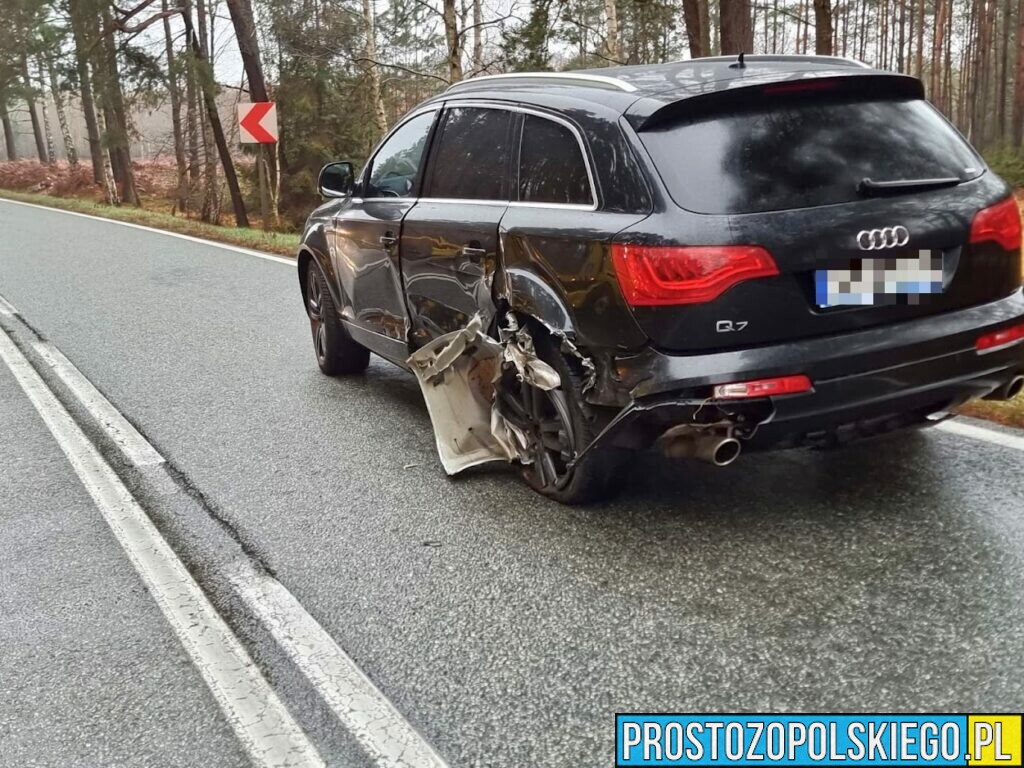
x=576 y=78
x=754 y=57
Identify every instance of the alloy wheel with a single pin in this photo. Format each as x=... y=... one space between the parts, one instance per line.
x=545 y=417
x=315 y=309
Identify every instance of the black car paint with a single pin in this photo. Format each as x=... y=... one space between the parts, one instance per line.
x=779 y=308
x=553 y=263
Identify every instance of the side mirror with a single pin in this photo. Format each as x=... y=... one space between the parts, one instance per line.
x=336 y=180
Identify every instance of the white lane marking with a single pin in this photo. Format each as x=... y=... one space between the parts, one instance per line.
x=133 y=445
x=389 y=739
x=144 y=228
x=980 y=433
x=266 y=729
x=6 y=308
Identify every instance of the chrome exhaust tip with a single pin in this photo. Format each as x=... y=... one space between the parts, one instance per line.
x=713 y=447
x=725 y=452
x=1009 y=390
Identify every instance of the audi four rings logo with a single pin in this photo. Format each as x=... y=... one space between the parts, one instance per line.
x=877 y=239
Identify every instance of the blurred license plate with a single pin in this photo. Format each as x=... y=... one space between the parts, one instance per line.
x=880 y=280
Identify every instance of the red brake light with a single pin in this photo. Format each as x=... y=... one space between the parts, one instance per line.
x=1004 y=338
x=656 y=275
x=781 y=385
x=999 y=223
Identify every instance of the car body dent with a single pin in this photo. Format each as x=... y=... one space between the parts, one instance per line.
x=558 y=269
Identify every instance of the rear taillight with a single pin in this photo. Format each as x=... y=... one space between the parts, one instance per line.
x=656 y=275
x=990 y=342
x=780 y=385
x=998 y=223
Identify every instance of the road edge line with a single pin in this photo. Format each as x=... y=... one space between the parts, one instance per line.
x=136 y=448
x=263 y=725
x=367 y=714
x=982 y=433
x=169 y=233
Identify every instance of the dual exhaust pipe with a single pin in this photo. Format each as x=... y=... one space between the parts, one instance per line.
x=714 y=446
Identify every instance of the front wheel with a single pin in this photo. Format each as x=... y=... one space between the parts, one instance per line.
x=336 y=351
x=559 y=424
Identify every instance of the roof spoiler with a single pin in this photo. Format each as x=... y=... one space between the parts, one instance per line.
x=653 y=112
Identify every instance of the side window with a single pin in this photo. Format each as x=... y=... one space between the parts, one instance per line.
x=471 y=159
x=551 y=165
x=396 y=166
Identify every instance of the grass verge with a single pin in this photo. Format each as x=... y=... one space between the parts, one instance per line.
x=272 y=242
x=1010 y=413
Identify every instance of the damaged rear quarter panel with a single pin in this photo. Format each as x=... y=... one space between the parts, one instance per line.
x=556 y=267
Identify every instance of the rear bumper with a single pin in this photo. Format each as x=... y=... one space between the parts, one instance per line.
x=881 y=377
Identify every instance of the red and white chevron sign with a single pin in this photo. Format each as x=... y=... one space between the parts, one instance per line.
x=257 y=122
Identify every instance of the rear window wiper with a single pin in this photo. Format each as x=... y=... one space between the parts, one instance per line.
x=870 y=187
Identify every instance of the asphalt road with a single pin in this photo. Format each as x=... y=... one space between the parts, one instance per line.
x=507 y=629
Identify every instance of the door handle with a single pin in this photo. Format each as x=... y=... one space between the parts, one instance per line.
x=388 y=240
x=474 y=254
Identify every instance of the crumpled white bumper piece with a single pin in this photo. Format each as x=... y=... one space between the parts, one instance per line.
x=457 y=374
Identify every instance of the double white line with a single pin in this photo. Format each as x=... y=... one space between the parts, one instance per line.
x=262 y=723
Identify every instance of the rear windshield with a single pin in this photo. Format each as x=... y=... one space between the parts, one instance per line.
x=799 y=154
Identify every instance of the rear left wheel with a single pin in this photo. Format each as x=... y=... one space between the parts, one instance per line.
x=559 y=425
x=336 y=352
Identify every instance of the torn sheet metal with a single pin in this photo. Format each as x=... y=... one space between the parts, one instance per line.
x=590 y=370
x=518 y=349
x=568 y=348
x=457 y=373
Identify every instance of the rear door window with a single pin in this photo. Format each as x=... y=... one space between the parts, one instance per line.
x=801 y=153
x=552 y=168
x=471 y=159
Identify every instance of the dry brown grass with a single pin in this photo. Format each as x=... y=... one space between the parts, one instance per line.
x=284 y=244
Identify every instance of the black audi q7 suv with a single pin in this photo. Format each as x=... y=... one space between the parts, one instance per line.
x=708 y=255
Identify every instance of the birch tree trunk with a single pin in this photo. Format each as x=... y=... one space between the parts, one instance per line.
x=208 y=115
x=115 y=114
x=110 y=173
x=478 y=37
x=453 y=40
x=373 y=69
x=174 y=91
x=51 y=154
x=30 y=102
x=611 y=39
x=191 y=115
x=62 y=119
x=206 y=87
